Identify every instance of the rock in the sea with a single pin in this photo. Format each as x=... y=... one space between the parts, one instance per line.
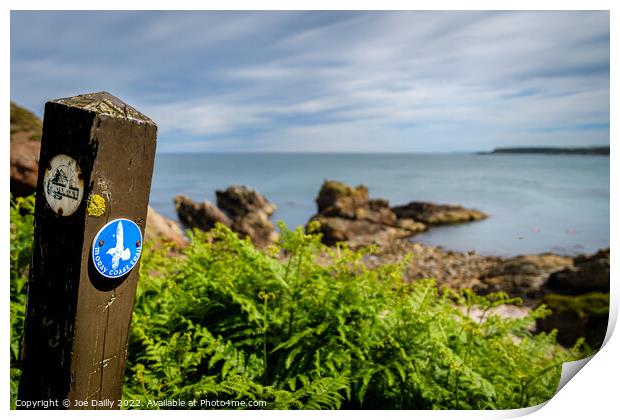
x=160 y=229
x=358 y=232
x=202 y=216
x=340 y=200
x=346 y=214
x=437 y=214
x=257 y=227
x=249 y=211
x=523 y=275
x=589 y=274
x=577 y=316
x=242 y=209
x=24 y=167
x=238 y=201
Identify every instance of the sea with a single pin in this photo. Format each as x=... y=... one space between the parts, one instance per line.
x=536 y=203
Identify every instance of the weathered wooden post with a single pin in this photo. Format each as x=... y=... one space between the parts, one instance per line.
x=96 y=165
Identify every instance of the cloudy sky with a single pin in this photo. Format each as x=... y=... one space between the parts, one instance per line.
x=329 y=81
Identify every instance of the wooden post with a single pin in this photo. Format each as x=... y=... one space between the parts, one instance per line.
x=96 y=165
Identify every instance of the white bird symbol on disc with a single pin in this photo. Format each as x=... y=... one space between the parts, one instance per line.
x=119 y=252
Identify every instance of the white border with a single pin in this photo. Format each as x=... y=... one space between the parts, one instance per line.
x=592 y=394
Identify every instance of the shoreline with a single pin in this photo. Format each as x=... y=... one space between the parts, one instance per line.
x=577 y=250
x=531 y=189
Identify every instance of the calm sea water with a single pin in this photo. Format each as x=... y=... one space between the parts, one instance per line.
x=536 y=203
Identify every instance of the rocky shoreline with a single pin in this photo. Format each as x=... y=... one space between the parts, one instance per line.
x=347 y=214
x=576 y=289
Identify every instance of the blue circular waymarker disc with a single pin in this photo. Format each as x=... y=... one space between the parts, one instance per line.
x=117 y=248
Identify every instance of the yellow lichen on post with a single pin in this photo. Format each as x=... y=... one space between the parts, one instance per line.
x=96 y=206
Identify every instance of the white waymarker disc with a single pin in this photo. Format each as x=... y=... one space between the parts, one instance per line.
x=63 y=184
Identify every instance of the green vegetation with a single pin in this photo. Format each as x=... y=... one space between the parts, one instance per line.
x=24 y=124
x=593 y=303
x=587 y=314
x=227 y=321
x=22 y=230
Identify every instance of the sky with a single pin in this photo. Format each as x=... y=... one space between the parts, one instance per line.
x=394 y=82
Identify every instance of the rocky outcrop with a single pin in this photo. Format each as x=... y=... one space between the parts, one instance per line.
x=160 y=229
x=202 y=216
x=573 y=317
x=25 y=126
x=338 y=199
x=437 y=214
x=242 y=209
x=347 y=214
x=249 y=212
x=24 y=167
x=589 y=274
x=578 y=297
x=523 y=275
x=25 y=149
x=238 y=201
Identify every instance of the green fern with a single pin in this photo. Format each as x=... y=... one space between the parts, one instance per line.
x=303 y=326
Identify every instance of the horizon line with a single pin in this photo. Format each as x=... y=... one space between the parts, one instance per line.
x=307 y=152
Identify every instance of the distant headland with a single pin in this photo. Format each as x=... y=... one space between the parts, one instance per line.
x=593 y=150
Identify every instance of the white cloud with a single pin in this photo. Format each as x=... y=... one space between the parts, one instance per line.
x=204 y=118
